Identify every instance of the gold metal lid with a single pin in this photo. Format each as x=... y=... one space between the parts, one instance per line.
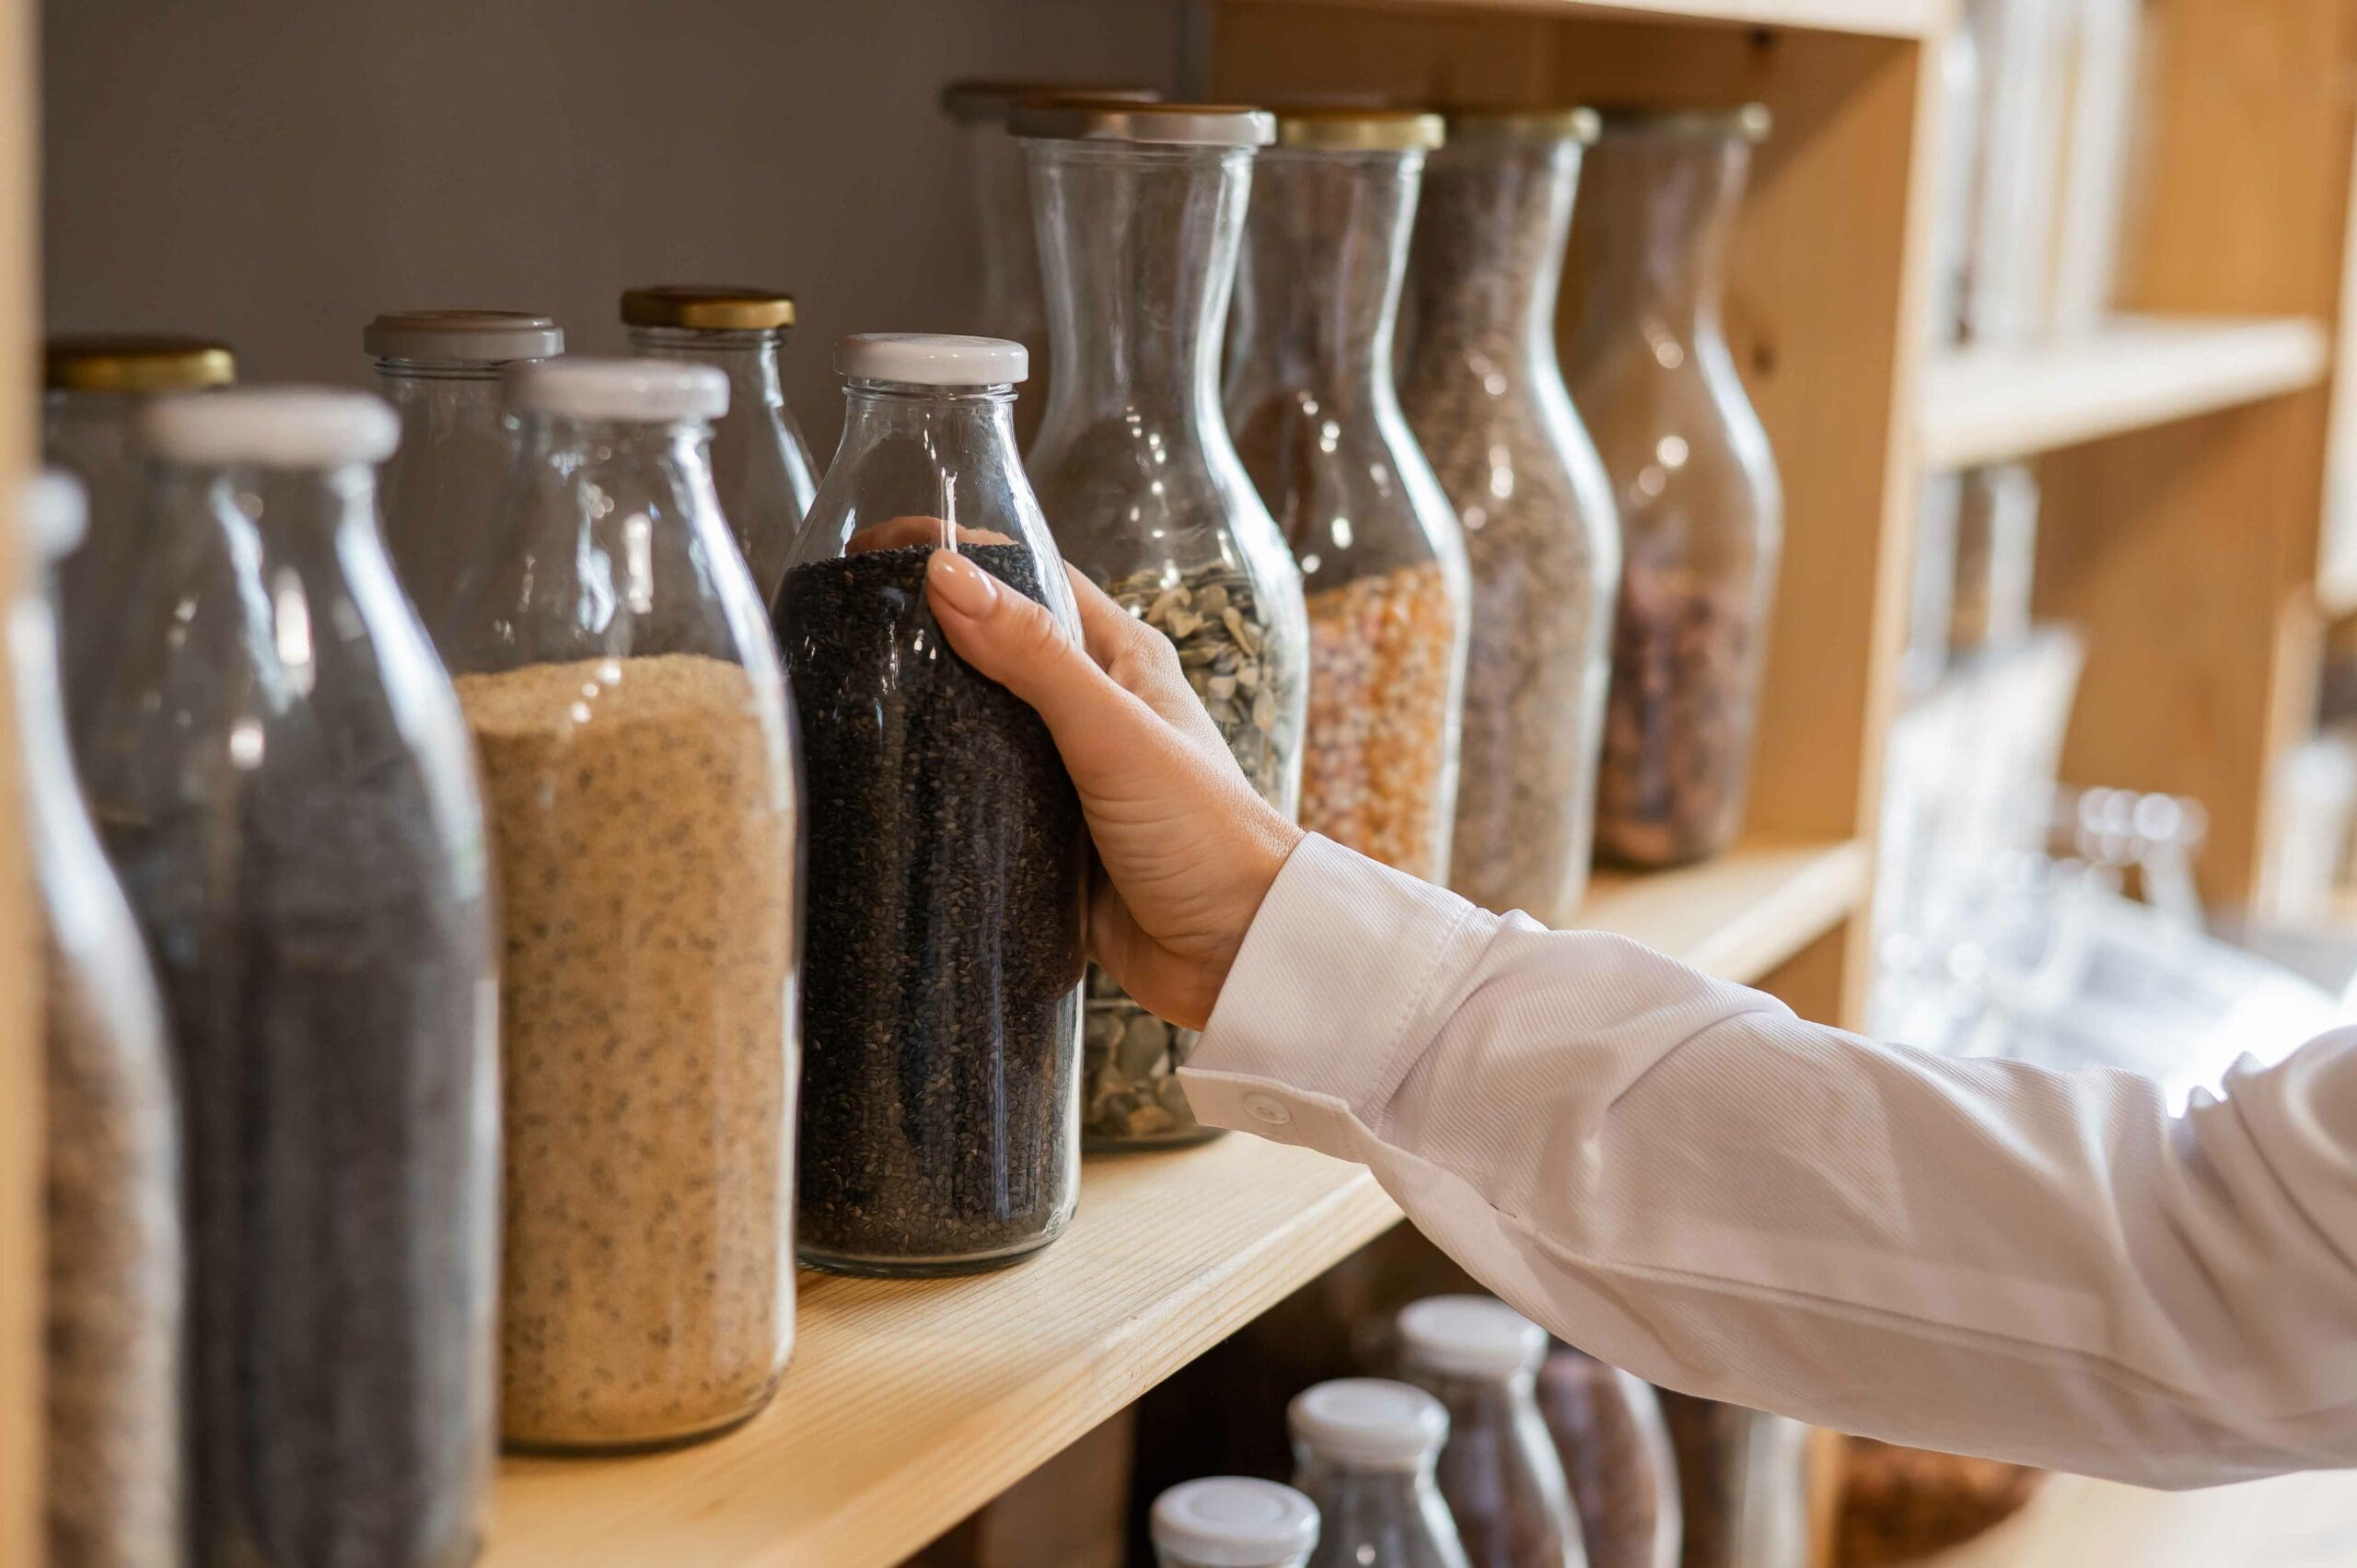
x=1747 y=123
x=708 y=307
x=135 y=361
x=1504 y=122
x=1342 y=127
x=1115 y=120
x=985 y=100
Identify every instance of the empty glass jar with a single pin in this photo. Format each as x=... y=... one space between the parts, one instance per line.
x=1498 y=1470
x=1233 y=1522
x=1701 y=510
x=1485 y=397
x=941 y=1096
x=95 y=386
x=1742 y=1482
x=112 y=1294
x=1317 y=421
x=1608 y=1430
x=1365 y=1449
x=283 y=783
x=759 y=462
x=440 y=492
x=1139 y=209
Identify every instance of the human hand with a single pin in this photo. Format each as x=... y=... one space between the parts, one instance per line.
x=1186 y=849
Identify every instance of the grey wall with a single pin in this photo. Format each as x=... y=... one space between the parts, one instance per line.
x=276 y=172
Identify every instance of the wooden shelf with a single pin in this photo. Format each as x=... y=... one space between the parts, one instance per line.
x=2295 y=1521
x=912 y=1404
x=1878 y=18
x=1983 y=405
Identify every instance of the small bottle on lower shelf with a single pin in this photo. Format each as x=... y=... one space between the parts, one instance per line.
x=1234 y=1522
x=1365 y=1451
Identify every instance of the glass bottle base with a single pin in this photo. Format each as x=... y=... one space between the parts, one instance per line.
x=865 y=1266
x=654 y=1444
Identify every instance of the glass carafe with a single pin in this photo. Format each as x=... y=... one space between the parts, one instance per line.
x=95 y=386
x=759 y=462
x=1141 y=208
x=1365 y=1449
x=941 y=1103
x=440 y=492
x=1608 y=1430
x=1485 y=398
x=282 y=778
x=112 y=1292
x=1317 y=421
x=1499 y=1471
x=1702 y=511
x=1742 y=1482
x=1233 y=1522
x=631 y=725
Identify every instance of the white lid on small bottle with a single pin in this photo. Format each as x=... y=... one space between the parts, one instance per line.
x=481 y=337
x=1469 y=1336
x=272 y=427
x=1235 y=1522
x=643 y=390
x=933 y=359
x=56 y=514
x=1368 y=1422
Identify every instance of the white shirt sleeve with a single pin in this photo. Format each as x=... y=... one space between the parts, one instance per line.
x=1679 y=1175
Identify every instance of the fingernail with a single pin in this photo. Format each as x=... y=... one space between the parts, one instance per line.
x=964 y=587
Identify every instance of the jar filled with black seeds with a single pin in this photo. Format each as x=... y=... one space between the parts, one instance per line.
x=942 y=1018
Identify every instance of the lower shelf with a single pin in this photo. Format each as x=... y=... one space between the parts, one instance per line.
x=912 y=1404
x=2295 y=1521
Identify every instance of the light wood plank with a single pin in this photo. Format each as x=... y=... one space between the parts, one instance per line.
x=1739 y=916
x=1983 y=405
x=1879 y=18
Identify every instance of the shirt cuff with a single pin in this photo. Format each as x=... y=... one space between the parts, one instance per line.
x=1328 y=1005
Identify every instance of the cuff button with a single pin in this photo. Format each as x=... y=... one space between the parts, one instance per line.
x=1268 y=1108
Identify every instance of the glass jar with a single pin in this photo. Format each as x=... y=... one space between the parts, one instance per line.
x=112 y=1295
x=1742 y=1483
x=1701 y=509
x=759 y=462
x=282 y=782
x=948 y=854
x=1317 y=421
x=1233 y=1522
x=95 y=386
x=1364 y=1450
x=1141 y=210
x=630 y=722
x=1608 y=1431
x=1994 y=559
x=1485 y=397
x=440 y=492
x=1499 y=1471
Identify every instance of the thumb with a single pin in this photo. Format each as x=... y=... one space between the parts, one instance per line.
x=1014 y=641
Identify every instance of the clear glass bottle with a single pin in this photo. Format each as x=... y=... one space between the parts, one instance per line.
x=940 y=1100
x=1364 y=1450
x=440 y=492
x=1701 y=509
x=96 y=385
x=1316 y=422
x=631 y=725
x=1608 y=1431
x=1485 y=397
x=1993 y=561
x=1233 y=1522
x=1141 y=210
x=760 y=464
x=112 y=1294
x=282 y=782
x=1742 y=1482
x=1499 y=1471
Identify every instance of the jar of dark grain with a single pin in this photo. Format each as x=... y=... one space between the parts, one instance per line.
x=1701 y=510
x=1364 y=1450
x=1498 y=1470
x=1485 y=397
x=1742 y=1484
x=1608 y=1430
x=112 y=1291
x=941 y=1095
x=1141 y=210
x=282 y=778
x=1317 y=421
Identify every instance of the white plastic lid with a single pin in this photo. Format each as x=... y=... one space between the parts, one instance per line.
x=644 y=389
x=274 y=427
x=933 y=359
x=1368 y=1422
x=56 y=513
x=1232 y=1522
x=1469 y=1336
x=483 y=337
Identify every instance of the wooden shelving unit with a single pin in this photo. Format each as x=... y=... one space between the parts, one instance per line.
x=1881 y=18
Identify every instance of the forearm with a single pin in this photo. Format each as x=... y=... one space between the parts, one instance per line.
x=1679 y=1175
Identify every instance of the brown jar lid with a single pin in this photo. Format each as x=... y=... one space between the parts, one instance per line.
x=985 y=100
x=1342 y=128
x=1170 y=125
x=135 y=361
x=1502 y=122
x=708 y=307
x=1744 y=123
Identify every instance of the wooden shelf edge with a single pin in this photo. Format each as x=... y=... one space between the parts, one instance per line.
x=1985 y=405
x=1740 y=915
x=1874 y=18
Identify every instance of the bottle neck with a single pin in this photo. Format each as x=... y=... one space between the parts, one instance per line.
x=1138 y=250
x=1489 y=252
x=1658 y=213
x=52 y=797
x=1325 y=252
x=945 y=452
x=749 y=357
